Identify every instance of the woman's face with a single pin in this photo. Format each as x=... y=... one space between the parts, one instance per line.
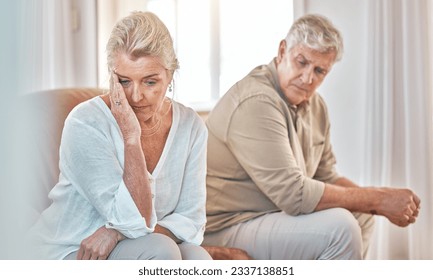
x=145 y=81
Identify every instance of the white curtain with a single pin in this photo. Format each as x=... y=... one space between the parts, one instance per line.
x=399 y=130
x=57 y=44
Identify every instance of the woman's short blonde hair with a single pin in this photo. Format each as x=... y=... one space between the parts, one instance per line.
x=316 y=32
x=142 y=34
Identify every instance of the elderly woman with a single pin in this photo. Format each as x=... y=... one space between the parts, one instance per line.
x=132 y=162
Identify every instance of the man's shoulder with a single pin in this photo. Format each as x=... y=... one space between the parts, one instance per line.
x=257 y=85
x=317 y=103
x=317 y=98
x=259 y=81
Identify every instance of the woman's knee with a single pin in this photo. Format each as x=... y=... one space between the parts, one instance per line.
x=164 y=248
x=193 y=252
x=149 y=247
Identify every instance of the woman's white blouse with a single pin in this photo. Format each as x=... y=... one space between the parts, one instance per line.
x=91 y=192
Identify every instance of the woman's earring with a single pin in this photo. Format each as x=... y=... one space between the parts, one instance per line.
x=170 y=87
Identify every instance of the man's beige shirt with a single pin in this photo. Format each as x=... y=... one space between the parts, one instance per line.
x=265 y=155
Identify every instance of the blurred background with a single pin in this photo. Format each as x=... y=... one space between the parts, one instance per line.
x=380 y=96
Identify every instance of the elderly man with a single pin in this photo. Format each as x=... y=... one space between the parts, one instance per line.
x=272 y=186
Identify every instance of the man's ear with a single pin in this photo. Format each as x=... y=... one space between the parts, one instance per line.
x=281 y=50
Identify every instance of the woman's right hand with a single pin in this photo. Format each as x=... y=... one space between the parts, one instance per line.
x=99 y=245
x=122 y=112
x=135 y=174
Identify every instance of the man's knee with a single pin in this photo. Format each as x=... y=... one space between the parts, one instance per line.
x=346 y=238
x=366 y=222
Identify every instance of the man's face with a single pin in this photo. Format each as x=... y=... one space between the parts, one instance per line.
x=301 y=71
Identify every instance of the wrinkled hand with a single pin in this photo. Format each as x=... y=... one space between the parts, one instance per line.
x=400 y=206
x=122 y=111
x=99 y=245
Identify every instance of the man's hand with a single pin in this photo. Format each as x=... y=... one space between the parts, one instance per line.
x=99 y=245
x=163 y=230
x=225 y=253
x=400 y=206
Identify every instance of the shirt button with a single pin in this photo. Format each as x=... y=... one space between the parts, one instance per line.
x=110 y=224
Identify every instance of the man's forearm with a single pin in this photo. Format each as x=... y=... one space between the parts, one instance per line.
x=400 y=205
x=344 y=182
x=365 y=200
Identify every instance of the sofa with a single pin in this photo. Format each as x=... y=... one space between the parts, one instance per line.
x=43 y=117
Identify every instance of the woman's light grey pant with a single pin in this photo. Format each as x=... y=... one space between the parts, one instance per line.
x=329 y=234
x=153 y=247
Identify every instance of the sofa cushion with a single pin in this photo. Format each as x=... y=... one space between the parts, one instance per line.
x=45 y=113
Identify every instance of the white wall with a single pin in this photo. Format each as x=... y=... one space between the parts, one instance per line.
x=345 y=85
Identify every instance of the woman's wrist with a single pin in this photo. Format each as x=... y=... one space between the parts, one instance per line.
x=116 y=235
x=132 y=141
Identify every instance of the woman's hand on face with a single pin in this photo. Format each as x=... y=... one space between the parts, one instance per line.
x=123 y=113
x=99 y=245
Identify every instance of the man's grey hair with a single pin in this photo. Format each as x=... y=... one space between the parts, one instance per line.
x=316 y=32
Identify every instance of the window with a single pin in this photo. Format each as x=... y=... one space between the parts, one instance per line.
x=219 y=41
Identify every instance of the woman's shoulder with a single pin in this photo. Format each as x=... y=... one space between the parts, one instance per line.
x=90 y=110
x=188 y=115
x=189 y=124
x=92 y=113
x=182 y=108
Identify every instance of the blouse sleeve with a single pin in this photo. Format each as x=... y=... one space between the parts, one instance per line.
x=88 y=158
x=258 y=137
x=187 y=222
